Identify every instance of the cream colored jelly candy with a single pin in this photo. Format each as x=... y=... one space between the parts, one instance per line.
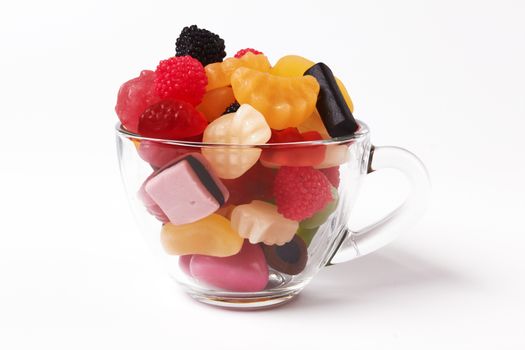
x=335 y=155
x=259 y=221
x=245 y=127
x=211 y=236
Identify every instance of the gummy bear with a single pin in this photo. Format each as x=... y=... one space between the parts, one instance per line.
x=245 y=127
x=134 y=97
x=293 y=155
x=284 y=102
x=295 y=66
x=215 y=102
x=260 y=222
x=314 y=123
x=219 y=74
x=171 y=119
x=212 y=236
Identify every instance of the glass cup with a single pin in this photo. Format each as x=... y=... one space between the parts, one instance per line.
x=208 y=256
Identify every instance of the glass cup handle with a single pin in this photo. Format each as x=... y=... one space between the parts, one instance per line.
x=382 y=232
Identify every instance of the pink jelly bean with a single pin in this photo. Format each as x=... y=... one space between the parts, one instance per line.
x=245 y=271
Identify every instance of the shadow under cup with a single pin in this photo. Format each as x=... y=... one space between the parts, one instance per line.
x=199 y=205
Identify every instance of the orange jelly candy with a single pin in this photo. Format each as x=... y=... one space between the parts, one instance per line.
x=284 y=101
x=219 y=73
x=215 y=102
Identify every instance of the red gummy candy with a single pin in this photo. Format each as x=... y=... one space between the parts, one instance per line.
x=158 y=154
x=293 y=155
x=255 y=184
x=300 y=192
x=243 y=52
x=134 y=97
x=171 y=119
x=181 y=78
x=332 y=174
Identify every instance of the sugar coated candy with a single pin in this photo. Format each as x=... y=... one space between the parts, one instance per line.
x=331 y=105
x=245 y=127
x=295 y=66
x=284 y=101
x=212 y=236
x=219 y=74
x=260 y=222
x=245 y=271
x=134 y=97
x=186 y=190
x=290 y=258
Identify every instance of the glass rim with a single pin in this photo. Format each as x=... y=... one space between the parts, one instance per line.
x=359 y=134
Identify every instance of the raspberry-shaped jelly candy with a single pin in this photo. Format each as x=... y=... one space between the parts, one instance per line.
x=232 y=108
x=332 y=174
x=300 y=192
x=219 y=74
x=171 y=119
x=134 y=97
x=201 y=44
x=181 y=78
x=242 y=52
x=284 y=101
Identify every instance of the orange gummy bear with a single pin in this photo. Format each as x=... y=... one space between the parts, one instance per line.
x=215 y=102
x=219 y=73
x=284 y=101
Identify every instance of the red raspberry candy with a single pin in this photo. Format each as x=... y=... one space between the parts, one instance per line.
x=134 y=97
x=300 y=192
x=332 y=174
x=170 y=119
x=181 y=78
x=299 y=155
x=242 y=52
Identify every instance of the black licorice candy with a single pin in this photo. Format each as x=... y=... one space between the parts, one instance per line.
x=290 y=258
x=331 y=105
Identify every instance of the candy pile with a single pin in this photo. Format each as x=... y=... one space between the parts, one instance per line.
x=233 y=214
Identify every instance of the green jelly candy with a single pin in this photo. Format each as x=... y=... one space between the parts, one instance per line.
x=320 y=217
x=307 y=234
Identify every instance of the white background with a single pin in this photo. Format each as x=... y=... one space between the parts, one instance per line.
x=445 y=79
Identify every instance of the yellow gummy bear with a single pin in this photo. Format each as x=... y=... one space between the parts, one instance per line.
x=284 y=101
x=295 y=66
x=219 y=73
x=212 y=236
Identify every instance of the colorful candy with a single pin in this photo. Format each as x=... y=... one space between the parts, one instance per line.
x=284 y=102
x=212 y=236
x=289 y=258
x=219 y=74
x=295 y=66
x=260 y=222
x=293 y=155
x=300 y=192
x=245 y=127
x=314 y=123
x=185 y=190
x=334 y=155
x=134 y=97
x=244 y=272
x=307 y=234
x=215 y=102
x=321 y=216
x=171 y=119
x=158 y=154
x=254 y=184
x=334 y=111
